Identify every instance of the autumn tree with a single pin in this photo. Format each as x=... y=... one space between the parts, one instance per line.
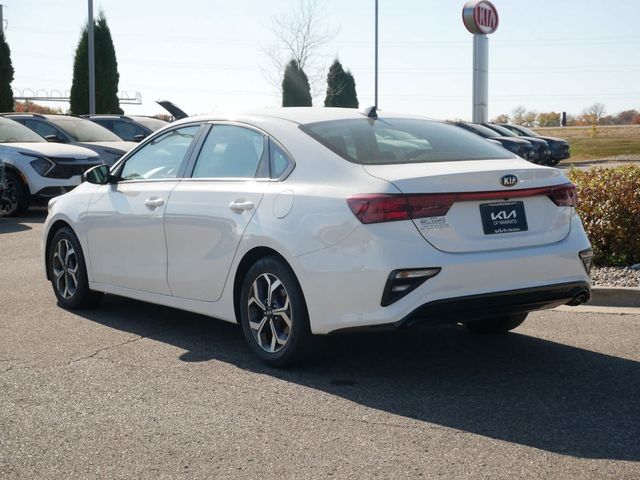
x=6 y=75
x=529 y=118
x=549 y=119
x=517 y=115
x=295 y=87
x=502 y=118
x=29 y=106
x=341 y=88
x=106 y=71
x=626 y=117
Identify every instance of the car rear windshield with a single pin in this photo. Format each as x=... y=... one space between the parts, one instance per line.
x=84 y=130
x=151 y=123
x=395 y=141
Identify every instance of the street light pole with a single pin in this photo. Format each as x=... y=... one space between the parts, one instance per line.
x=376 y=62
x=92 y=63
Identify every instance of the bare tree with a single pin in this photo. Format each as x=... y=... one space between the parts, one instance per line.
x=517 y=115
x=594 y=113
x=299 y=34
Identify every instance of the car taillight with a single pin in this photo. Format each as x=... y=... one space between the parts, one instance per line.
x=377 y=208
x=564 y=195
x=389 y=208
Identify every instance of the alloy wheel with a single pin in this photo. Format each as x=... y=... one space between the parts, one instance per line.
x=65 y=268
x=9 y=199
x=270 y=313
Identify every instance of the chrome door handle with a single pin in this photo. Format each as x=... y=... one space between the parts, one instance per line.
x=153 y=203
x=241 y=206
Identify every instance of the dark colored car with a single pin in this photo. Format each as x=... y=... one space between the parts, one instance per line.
x=131 y=128
x=559 y=147
x=4 y=202
x=542 y=153
x=75 y=130
x=519 y=146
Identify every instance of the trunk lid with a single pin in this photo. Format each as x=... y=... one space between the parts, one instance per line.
x=486 y=220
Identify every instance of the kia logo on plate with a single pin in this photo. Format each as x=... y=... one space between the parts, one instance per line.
x=509 y=180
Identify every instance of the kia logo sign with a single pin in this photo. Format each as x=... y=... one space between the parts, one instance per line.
x=480 y=17
x=508 y=180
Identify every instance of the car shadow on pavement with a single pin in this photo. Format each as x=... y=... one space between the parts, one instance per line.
x=19 y=223
x=514 y=388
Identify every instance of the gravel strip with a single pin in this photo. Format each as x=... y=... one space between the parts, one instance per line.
x=615 y=277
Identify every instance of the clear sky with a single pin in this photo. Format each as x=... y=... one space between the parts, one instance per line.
x=206 y=55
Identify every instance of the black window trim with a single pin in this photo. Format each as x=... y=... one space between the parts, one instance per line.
x=117 y=168
x=264 y=165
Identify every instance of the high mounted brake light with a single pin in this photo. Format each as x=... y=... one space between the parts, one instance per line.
x=376 y=208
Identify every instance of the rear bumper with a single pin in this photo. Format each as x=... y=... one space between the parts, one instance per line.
x=497 y=304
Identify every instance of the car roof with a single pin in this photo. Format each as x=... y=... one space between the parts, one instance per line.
x=298 y=115
x=37 y=115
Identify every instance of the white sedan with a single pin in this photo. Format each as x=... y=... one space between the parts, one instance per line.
x=299 y=222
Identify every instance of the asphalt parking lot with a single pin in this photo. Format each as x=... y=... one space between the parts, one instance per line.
x=140 y=391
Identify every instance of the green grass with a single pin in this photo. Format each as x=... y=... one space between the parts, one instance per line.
x=588 y=143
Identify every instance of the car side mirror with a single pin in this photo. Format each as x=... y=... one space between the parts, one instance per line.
x=99 y=175
x=139 y=137
x=52 y=138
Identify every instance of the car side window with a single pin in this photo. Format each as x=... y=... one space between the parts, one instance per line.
x=127 y=130
x=160 y=158
x=280 y=161
x=230 y=151
x=42 y=128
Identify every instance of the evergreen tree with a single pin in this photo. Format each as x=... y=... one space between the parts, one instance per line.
x=341 y=88
x=6 y=75
x=295 y=87
x=106 y=71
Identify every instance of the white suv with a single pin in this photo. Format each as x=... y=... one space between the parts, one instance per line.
x=35 y=168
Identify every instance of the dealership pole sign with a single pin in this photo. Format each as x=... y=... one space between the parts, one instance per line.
x=481 y=18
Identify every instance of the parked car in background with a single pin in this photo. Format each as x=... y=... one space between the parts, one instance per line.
x=301 y=221
x=519 y=146
x=37 y=169
x=132 y=128
x=3 y=189
x=76 y=131
x=560 y=149
x=541 y=151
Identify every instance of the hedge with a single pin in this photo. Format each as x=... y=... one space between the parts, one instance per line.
x=609 y=205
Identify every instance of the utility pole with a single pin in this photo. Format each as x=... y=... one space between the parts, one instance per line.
x=1 y=19
x=376 y=62
x=92 y=63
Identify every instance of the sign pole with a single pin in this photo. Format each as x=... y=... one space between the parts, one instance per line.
x=376 y=61
x=92 y=63
x=480 y=17
x=480 y=111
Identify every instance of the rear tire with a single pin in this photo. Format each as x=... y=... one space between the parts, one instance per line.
x=68 y=272
x=15 y=198
x=553 y=162
x=273 y=314
x=498 y=325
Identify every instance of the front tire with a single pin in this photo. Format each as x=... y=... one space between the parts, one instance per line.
x=68 y=272
x=15 y=198
x=273 y=314
x=498 y=325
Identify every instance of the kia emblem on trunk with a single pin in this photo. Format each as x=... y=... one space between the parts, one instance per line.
x=509 y=180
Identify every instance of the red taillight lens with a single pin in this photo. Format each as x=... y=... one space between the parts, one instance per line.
x=376 y=208
x=379 y=208
x=564 y=195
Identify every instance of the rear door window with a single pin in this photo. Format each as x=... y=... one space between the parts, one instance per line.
x=230 y=151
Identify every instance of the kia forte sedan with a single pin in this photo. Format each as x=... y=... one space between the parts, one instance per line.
x=301 y=222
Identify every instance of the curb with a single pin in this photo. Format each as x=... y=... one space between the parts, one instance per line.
x=615 y=297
